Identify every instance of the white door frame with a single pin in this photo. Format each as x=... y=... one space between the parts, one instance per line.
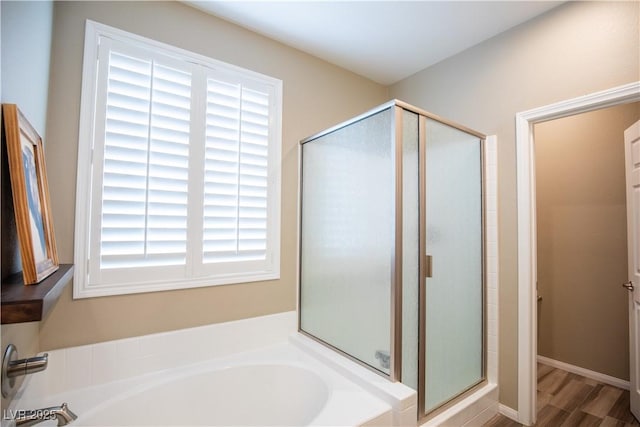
x=527 y=263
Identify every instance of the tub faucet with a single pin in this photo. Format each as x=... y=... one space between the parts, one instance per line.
x=28 y=418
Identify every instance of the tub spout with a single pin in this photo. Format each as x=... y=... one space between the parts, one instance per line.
x=62 y=413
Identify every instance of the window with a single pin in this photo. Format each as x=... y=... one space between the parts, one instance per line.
x=178 y=169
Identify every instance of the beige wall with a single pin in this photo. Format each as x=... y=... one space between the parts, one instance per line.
x=26 y=48
x=582 y=239
x=24 y=80
x=573 y=50
x=316 y=95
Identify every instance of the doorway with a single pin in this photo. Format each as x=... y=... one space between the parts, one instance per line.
x=527 y=251
x=582 y=319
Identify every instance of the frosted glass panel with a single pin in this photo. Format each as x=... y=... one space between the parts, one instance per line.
x=454 y=240
x=346 y=238
x=410 y=248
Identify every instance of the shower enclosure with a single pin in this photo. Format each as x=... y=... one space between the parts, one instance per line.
x=392 y=248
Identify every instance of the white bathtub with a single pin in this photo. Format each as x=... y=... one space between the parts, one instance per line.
x=248 y=395
x=277 y=385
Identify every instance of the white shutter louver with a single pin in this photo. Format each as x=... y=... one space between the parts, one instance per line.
x=236 y=173
x=146 y=150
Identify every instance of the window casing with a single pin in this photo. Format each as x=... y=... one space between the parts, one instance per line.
x=178 y=169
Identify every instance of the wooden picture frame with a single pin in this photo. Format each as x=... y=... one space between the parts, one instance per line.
x=30 y=190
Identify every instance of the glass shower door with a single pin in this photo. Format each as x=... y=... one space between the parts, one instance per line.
x=453 y=288
x=347 y=239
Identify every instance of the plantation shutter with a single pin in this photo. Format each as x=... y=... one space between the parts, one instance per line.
x=146 y=156
x=178 y=169
x=236 y=173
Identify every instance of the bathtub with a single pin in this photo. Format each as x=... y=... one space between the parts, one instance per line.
x=285 y=384
x=274 y=394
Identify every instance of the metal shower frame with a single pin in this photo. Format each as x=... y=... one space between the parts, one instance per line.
x=396 y=252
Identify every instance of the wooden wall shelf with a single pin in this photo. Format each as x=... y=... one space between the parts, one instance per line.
x=31 y=303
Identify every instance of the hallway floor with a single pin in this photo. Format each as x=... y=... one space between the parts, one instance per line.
x=568 y=400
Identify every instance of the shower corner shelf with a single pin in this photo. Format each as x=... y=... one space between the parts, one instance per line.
x=31 y=303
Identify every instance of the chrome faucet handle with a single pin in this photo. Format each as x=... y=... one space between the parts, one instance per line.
x=13 y=368
x=31 y=365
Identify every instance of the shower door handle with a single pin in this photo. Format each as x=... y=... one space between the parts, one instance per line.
x=428 y=266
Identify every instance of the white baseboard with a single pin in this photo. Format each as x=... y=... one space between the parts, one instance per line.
x=508 y=412
x=597 y=376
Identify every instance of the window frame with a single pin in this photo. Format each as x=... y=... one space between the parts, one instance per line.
x=88 y=281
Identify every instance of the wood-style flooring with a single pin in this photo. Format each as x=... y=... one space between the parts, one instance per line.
x=567 y=400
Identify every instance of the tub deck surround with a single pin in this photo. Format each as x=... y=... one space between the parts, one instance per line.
x=104 y=376
x=100 y=379
x=291 y=388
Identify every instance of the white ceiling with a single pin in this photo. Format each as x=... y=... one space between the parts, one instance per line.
x=385 y=41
